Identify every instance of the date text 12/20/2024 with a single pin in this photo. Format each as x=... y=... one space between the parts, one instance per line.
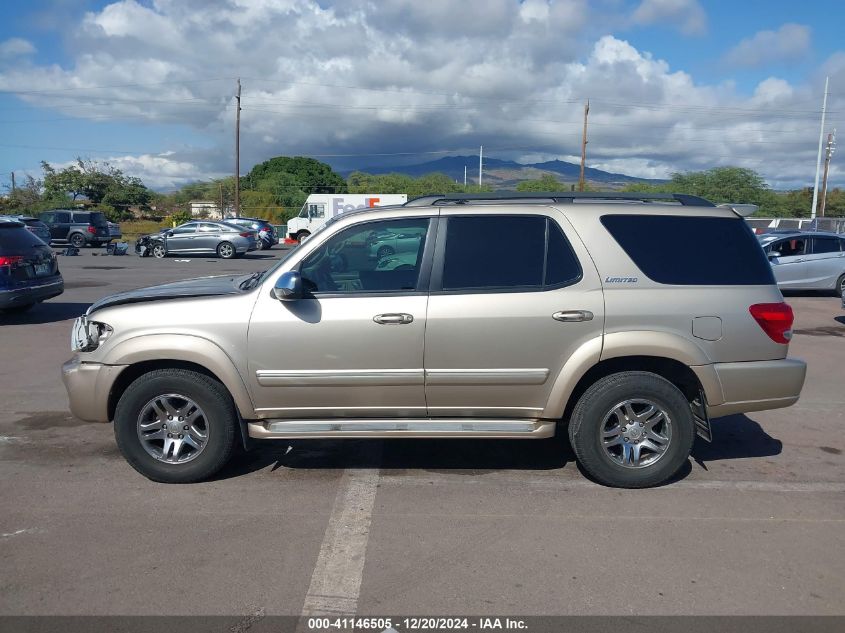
x=417 y=624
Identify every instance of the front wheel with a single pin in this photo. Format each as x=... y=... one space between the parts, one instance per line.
x=632 y=429
x=225 y=250
x=176 y=426
x=302 y=235
x=840 y=286
x=159 y=251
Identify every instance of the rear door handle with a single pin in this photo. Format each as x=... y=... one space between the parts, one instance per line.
x=573 y=316
x=399 y=318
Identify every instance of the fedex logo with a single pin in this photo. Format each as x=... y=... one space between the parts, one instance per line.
x=339 y=207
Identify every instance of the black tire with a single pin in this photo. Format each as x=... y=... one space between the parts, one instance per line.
x=587 y=422
x=77 y=240
x=301 y=235
x=209 y=394
x=158 y=250
x=225 y=250
x=17 y=309
x=262 y=245
x=840 y=286
x=384 y=251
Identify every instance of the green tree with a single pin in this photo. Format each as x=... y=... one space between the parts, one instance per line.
x=103 y=186
x=546 y=182
x=308 y=174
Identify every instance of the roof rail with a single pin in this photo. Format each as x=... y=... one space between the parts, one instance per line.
x=566 y=197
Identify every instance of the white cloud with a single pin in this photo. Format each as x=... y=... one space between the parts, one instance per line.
x=15 y=47
x=790 y=42
x=402 y=76
x=687 y=15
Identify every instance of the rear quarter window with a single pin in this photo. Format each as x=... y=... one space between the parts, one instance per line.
x=14 y=238
x=684 y=250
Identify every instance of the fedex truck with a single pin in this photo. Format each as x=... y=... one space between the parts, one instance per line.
x=320 y=207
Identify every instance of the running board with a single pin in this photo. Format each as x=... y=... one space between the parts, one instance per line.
x=404 y=427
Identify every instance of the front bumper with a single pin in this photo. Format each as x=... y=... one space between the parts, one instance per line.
x=758 y=385
x=88 y=386
x=9 y=298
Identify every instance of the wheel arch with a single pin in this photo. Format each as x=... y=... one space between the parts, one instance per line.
x=689 y=371
x=146 y=353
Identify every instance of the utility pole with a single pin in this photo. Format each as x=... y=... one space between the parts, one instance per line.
x=831 y=142
x=238 y=153
x=13 y=182
x=819 y=157
x=480 y=154
x=584 y=147
x=222 y=210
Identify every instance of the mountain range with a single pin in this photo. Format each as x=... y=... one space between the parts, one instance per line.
x=504 y=173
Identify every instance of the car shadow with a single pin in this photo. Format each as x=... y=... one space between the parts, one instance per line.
x=450 y=456
x=47 y=312
x=735 y=437
x=840 y=319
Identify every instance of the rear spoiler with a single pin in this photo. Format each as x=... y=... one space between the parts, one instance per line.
x=742 y=210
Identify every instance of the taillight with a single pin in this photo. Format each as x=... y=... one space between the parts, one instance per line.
x=8 y=260
x=775 y=319
x=91 y=229
x=245 y=234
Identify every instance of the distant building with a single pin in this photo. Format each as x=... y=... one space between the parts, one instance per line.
x=205 y=209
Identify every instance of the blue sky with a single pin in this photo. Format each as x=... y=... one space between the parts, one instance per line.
x=674 y=84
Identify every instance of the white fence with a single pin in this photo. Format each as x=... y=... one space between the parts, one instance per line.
x=837 y=225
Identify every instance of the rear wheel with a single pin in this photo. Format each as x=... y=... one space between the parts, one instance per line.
x=176 y=426
x=225 y=250
x=384 y=251
x=632 y=430
x=77 y=240
x=840 y=286
x=262 y=245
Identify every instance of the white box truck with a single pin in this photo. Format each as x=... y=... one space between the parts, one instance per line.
x=320 y=207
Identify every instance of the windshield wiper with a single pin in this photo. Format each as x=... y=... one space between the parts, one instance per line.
x=252 y=280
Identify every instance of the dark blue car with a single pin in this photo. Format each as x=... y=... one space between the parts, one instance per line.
x=29 y=272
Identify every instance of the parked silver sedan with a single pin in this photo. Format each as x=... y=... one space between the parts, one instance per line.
x=206 y=237
x=806 y=260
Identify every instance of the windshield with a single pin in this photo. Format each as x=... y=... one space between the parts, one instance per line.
x=98 y=219
x=303 y=213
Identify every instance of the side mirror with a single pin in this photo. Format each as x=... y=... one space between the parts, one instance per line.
x=288 y=286
x=774 y=254
x=170 y=234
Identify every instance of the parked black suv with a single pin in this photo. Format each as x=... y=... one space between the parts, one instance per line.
x=77 y=228
x=267 y=236
x=29 y=272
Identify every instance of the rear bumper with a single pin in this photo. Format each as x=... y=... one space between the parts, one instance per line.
x=88 y=386
x=10 y=298
x=758 y=385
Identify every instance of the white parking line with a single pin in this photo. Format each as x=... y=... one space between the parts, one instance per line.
x=336 y=581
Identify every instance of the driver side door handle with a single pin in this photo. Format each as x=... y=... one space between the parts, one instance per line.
x=400 y=318
x=573 y=316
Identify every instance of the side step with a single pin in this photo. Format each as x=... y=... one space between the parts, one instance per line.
x=404 y=427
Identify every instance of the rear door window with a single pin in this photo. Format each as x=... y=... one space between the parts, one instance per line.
x=691 y=250
x=475 y=257
x=81 y=218
x=825 y=245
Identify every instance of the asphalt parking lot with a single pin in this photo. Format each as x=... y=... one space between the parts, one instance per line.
x=755 y=524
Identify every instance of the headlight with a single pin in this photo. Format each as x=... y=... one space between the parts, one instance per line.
x=87 y=336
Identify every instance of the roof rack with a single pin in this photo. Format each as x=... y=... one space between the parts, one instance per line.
x=567 y=197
